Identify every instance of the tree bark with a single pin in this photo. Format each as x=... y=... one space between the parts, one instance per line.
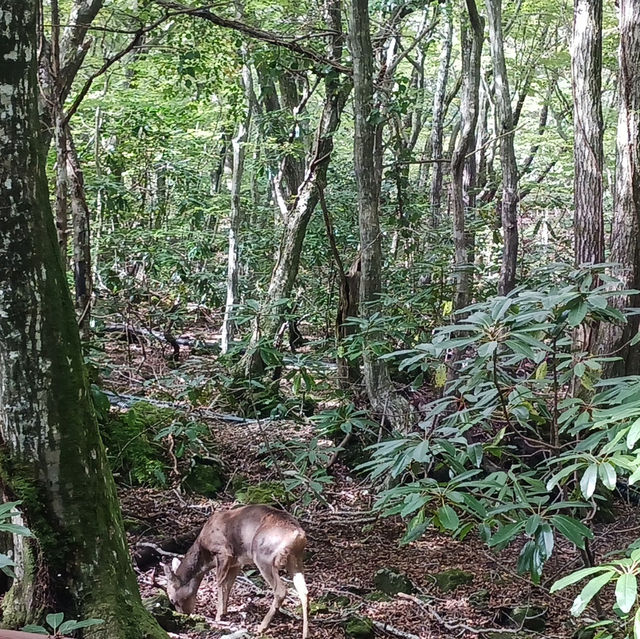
x=625 y=233
x=380 y=391
x=81 y=222
x=437 y=130
x=299 y=211
x=471 y=39
x=586 y=66
x=51 y=456
x=505 y=131
x=236 y=216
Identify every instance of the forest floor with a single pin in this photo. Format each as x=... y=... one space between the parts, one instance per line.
x=348 y=544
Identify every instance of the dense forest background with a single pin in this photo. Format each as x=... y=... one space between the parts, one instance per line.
x=375 y=262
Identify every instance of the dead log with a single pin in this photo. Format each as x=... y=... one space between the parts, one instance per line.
x=146 y=555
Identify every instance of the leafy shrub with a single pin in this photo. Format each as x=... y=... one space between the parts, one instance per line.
x=134 y=442
x=525 y=430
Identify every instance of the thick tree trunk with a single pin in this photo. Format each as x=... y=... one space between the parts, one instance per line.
x=625 y=233
x=380 y=391
x=437 y=130
x=299 y=211
x=51 y=456
x=586 y=66
x=504 y=126
x=471 y=55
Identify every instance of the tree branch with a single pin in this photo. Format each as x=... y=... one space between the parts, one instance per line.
x=254 y=32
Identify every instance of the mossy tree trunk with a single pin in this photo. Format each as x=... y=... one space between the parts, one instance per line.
x=51 y=456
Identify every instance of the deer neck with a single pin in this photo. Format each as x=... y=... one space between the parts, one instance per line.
x=193 y=567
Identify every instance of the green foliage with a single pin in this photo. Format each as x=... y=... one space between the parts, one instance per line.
x=515 y=357
x=58 y=625
x=7 y=511
x=621 y=572
x=136 y=447
x=307 y=476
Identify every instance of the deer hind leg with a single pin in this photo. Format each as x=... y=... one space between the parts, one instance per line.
x=226 y=575
x=295 y=570
x=272 y=577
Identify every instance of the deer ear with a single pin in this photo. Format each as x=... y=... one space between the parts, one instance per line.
x=175 y=564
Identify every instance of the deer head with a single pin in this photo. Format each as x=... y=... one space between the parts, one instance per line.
x=271 y=539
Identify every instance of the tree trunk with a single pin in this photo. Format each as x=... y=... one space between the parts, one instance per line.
x=235 y=217
x=504 y=126
x=437 y=130
x=586 y=66
x=81 y=220
x=625 y=234
x=51 y=456
x=380 y=391
x=471 y=55
x=299 y=211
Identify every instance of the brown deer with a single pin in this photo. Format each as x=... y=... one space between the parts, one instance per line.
x=269 y=538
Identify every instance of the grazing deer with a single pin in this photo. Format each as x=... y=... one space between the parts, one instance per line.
x=269 y=538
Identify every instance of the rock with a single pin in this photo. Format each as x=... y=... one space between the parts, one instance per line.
x=391 y=582
x=206 y=477
x=266 y=492
x=480 y=599
x=529 y=617
x=360 y=628
x=449 y=580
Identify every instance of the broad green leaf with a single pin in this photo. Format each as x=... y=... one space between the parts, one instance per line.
x=541 y=371
x=560 y=475
x=71 y=624
x=590 y=591
x=577 y=314
x=626 y=592
x=545 y=541
x=55 y=619
x=575 y=531
x=634 y=476
x=633 y=435
x=8 y=506
x=589 y=480
x=636 y=625
x=448 y=517
x=577 y=576
x=15 y=529
x=36 y=630
x=506 y=533
x=607 y=475
x=532 y=524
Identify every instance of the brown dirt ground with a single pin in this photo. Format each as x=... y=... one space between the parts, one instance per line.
x=348 y=544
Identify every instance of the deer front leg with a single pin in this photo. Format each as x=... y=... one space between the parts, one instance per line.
x=272 y=577
x=227 y=572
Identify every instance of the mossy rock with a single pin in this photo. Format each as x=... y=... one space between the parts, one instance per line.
x=450 y=580
x=160 y=608
x=334 y=601
x=376 y=595
x=206 y=478
x=529 y=617
x=480 y=599
x=392 y=582
x=360 y=628
x=266 y=492
x=134 y=526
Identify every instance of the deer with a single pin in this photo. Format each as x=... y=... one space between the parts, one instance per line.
x=270 y=539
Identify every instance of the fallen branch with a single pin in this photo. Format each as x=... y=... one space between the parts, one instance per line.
x=392 y=630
